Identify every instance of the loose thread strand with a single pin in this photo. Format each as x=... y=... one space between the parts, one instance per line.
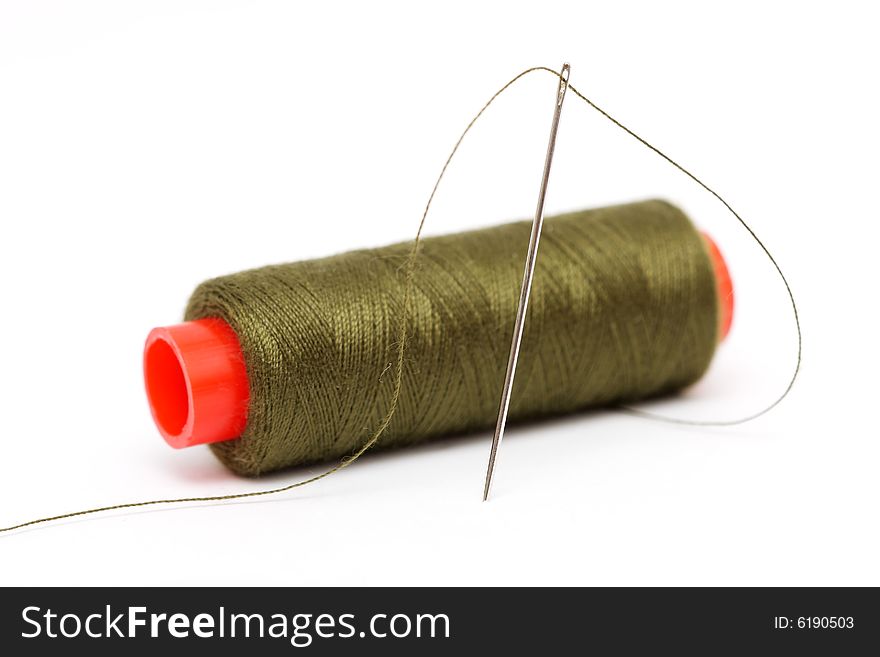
x=409 y=275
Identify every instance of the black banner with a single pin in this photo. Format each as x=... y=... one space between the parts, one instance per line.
x=438 y=621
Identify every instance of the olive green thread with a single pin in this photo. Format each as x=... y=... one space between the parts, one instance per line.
x=623 y=308
x=398 y=361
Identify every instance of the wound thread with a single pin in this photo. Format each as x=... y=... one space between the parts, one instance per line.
x=624 y=308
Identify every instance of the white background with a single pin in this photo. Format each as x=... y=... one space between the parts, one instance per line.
x=147 y=146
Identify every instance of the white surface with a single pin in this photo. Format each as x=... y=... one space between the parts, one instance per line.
x=147 y=146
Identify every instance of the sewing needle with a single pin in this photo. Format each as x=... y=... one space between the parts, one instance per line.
x=526 y=289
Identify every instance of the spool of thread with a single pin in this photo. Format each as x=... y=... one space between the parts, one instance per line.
x=290 y=364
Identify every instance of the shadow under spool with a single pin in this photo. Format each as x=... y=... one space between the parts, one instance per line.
x=292 y=364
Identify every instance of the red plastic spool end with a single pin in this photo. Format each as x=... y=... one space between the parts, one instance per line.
x=725 y=287
x=196 y=382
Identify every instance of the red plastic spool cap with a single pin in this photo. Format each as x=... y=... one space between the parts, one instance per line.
x=196 y=382
x=725 y=287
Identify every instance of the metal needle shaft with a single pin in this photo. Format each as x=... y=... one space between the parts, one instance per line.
x=526 y=289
